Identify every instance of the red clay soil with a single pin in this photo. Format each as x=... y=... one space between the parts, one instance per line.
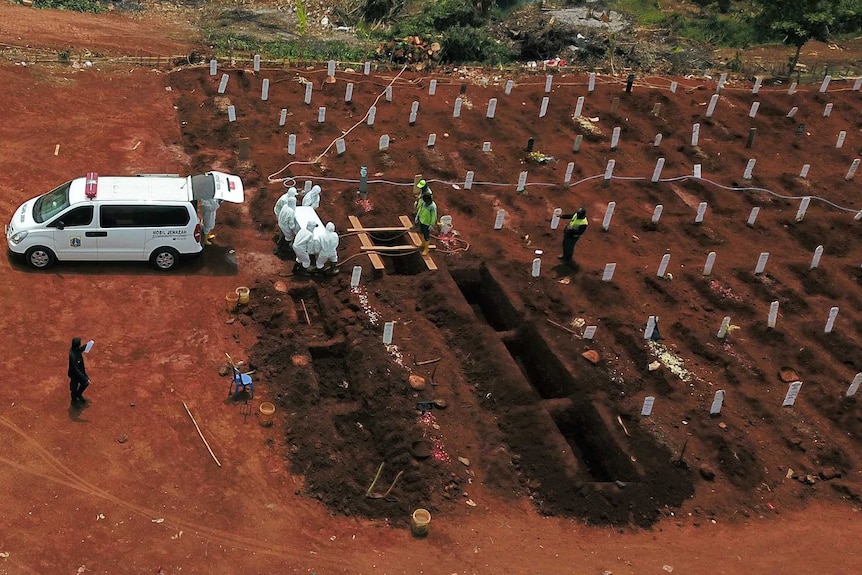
x=537 y=451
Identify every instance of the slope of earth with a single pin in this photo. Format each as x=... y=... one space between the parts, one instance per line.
x=125 y=486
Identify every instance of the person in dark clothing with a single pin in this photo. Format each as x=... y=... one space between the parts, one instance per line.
x=78 y=378
x=573 y=232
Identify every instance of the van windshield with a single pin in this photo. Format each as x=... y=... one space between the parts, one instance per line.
x=49 y=205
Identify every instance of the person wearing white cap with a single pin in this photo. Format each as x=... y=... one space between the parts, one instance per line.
x=287 y=222
x=328 y=249
x=282 y=201
x=312 y=198
x=302 y=244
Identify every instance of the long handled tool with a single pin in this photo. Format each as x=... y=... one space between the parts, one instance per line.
x=201 y=434
x=369 y=492
x=305 y=309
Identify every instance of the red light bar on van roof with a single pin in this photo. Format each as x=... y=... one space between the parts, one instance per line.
x=231 y=185
x=90 y=185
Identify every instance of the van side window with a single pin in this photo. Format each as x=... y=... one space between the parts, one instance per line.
x=143 y=216
x=82 y=216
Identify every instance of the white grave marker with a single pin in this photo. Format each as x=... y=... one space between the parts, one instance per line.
x=388 y=93
x=366 y=69
x=792 y=111
x=722 y=331
x=388 y=327
x=544 y=109
x=752 y=216
x=608 y=274
x=830 y=321
x=282 y=118
x=711 y=107
x=537 y=267
x=773 y=315
x=650 y=327
x=761 y=263
x=578 y=141
x=456 y=112
x=757 y=83
x=591 y=84
x=748 y=169
x=656 y=213
x=498 y=221
x=753 y=111
x=570 y=168
x=815 y=261
x=615 y=138
x=646 y=410
x=803 y=207
x=348 y=93
x=857 y=84
x=486 y=146
x=468 y=181
x=330 y=68
x=372 y=113
x=824 y=85
x=432 y=140
x=841 y=136
x=673 y=86
x=609 y=213
x=291 y=144
x=492 y=108
x=579 y=106
x=340 y=146
x=721 y=80
x=827 y=111
x=662 y=266
x=264 y=90
x=701 y=210
x=308 y=88
x=792 y=393
x=852 y=171
x=414 y=107
x=697 y=171
x=803 y=173
x=412 y=118
x=555 y=219
x=355 y=276
x=609 y=170
x=695 y=134
x=256 y=64
x=213 y=67
x=222 y=85
x=717 y=402
x=710 y=261
x=590 y=332
x=384 y=142
x=231 y=114
x=522 y=181
x=656 y=173
x=549 y=79
x=792 y=89
x=854 y=387
x=509 y=85
x=321 y=115
x=432 y=87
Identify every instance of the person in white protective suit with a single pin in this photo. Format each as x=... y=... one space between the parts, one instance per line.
x=282 y=201
x=312 y=198
x=287 y=222
x=303 y=243
x=327 y=249
x=208 y=215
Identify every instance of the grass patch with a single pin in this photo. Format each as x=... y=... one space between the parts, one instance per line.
x=93 y=6
x=226 y=43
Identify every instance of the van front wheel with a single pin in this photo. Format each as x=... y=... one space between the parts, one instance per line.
x=165 y=259
x=40 y=257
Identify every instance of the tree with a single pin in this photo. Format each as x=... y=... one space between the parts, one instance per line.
x=798 y=21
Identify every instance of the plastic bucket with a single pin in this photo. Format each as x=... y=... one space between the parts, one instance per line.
x=230 y=302
x=445 y=225
x=267 y=411
x=419 y=522
x=242 y=294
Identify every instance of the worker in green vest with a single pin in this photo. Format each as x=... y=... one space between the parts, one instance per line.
x=426 y=213
x=573 y=232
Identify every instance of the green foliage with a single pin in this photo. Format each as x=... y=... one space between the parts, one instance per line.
x=466 y=44
x=646 y=12
x=439 y=16
x=73 y=5
x=301 y=16
x=306 y=50
x=797 y=21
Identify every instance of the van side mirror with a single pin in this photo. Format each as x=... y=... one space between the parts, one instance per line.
x=60 y=225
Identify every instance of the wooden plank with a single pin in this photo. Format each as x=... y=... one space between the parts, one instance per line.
x=366 y=242
x=417 y=241
x=393 y=229
x=390 y=248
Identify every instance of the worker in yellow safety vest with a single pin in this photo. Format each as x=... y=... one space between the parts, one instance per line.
x=426 y=213
x=573 y=232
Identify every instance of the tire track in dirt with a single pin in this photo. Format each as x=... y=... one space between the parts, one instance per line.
x=69 y=478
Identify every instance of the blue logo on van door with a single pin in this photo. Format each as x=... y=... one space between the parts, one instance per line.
x=75 y=242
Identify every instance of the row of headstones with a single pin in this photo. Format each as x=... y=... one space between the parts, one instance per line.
x=718 y=400
x=793 y=390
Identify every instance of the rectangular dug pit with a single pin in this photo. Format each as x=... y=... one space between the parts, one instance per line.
x=488 y=299
x=331 y=370
x=306 y=295
x=408 y=263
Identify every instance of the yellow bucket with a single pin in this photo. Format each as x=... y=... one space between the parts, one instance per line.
x=242 y=294
x=230 y=302
x=267 y=411
x=419 y=522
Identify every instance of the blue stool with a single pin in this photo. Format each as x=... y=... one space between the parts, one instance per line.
x=239 y=381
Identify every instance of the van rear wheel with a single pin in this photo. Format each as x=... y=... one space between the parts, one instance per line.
x=40 y=257
x=165 y=259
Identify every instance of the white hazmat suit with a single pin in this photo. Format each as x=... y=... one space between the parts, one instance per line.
x=327 y=245
x=312 y=198
x=282 y=201
x=287 y=220
x=302 y=244
x=208 y=214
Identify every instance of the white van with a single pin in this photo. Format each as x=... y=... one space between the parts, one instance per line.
x=130 y=218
